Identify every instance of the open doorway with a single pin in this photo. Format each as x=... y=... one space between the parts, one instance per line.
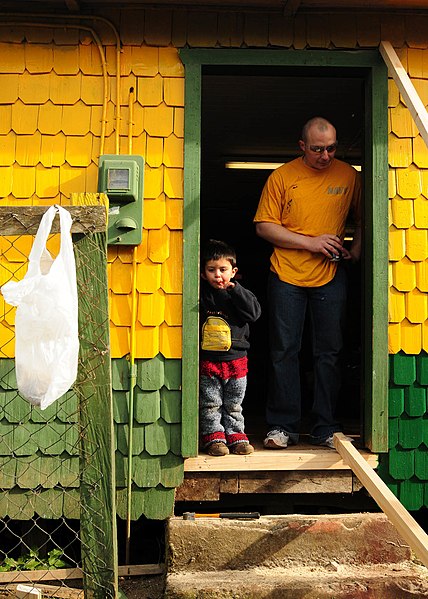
x=255 y=114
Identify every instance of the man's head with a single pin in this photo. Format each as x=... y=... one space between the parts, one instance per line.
x=318 y=143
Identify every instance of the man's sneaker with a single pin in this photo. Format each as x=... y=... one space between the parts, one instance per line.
x=217 y=448
x=276 y=439
x=241 y=448
x=329 y=442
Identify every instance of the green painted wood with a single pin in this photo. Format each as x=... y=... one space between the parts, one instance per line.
x=175 y=439
x=411 y=494
x=17 y=504
x=422 y=369
x=401 y=463
x=415 y=401
x=393 y=432
x=69 y=472
x=421 y=464
x=376 y=223
x=120 y=407
x=49 y=504
x=170 y=405
x=94 y=390
x=7 y=374
x=71 y=504
x=120 y=374
x=146 y=470
x=26 y=439
x=172 y=470
x=150 y=373
x=157 y=438
x=147 y=407
x=68 y=408
x=396 y=401
x=6 y=437
x=410 y=432
x=17 y=409
x=7 y=472
x=403 y=369
x=159 y=503
x=138 y=438
x=172 y=374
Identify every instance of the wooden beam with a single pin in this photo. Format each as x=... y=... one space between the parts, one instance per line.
x=291 y=7
x=406 y=525
x=25 y=220
x=406 y=88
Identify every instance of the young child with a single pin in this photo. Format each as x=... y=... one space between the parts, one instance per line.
x=226 y=308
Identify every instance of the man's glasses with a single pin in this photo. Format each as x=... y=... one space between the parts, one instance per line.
x=322 y=149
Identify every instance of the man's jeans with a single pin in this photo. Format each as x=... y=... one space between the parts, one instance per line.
x=287 y=306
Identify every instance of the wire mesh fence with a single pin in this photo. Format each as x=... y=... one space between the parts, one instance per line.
x=57 y=513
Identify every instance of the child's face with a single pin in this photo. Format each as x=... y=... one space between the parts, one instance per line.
x=218 y=273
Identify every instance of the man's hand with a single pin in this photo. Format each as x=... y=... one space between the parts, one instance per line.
x=326 y=244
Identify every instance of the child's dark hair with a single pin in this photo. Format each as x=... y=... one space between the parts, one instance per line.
x=215 y=250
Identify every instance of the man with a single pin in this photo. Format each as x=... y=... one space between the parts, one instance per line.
x=302 y=213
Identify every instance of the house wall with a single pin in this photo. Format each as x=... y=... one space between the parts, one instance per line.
x=54 y=82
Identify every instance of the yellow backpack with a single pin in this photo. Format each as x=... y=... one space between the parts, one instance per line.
x=216 y=334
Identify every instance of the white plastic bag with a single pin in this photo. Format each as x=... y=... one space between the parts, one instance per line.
x=46 y=325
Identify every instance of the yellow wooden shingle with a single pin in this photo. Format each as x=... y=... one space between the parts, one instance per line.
x=174 y=152
x=416 y=244
x=159 y=120
x=150 y=90
x=78 y=150
x=147 y=341
x=154 y=152
x=24 y=118
x=394 y=338
x=66 y=59
x=28 y=149
x=126 y=85
x=38 y=58
x=151 y=308
x=402 y=213
x=421 y=87
x=425 y=336
x=174 y=309
x=12 y=57
x=50 y=118
x=92 y=90
x=422 y=276
x=409 y=182
x=24 y=182
x=392 y=184
x=121 y=277
x=142 y=248
x=7 y=341
x=416 y=306
x=120 y=310
x=172 y=268
x=126 y=254
x=145 y=61
x=173 y=91
x=71 y=180
x=170 y=341
x=33 y=89
x=53 y=150
x=5 y=118
x=420 y=152
x=179 y=122
x=47 y=182
x=417 y=63
x=96 y=118
x=158 y=245
x=396 y=243
x=119 y=341
x=148 y=276
x=153 y=181
x=396 y=305
x=402 y=123
x=64 y=89
x=411 y=337
x=174 y=182
x=155 y=213
x=16 y=248
x=393 y=94
x=76 y=120
x=89 y=59
x=7 y=149
x=399 y=151
x=170 y=64
x=6 y=175
x=404 y=275
x=174 y=213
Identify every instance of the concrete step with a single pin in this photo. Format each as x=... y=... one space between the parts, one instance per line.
x=346 y=556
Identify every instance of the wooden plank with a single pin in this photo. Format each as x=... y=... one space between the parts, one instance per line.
x=65 y=574
x=25 y=220
x=406 y=525
x=406 y=87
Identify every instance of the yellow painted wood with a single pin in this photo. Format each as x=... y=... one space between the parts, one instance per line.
x=170 y=341
x=399 y=151
x=174 y=309
x=78 y=150
x=409 y=182
x=147 y=341
x=417 y=63
x=92 y=90
x=153 y=181
x=7 y=341
x=7 y=149
x=53 y=150
x=16 y=248
x=396 y=305
x=5 y=119
x=96 y=116
x=47 y=182
x=154 y=154
x=121 y=277
x=173 y=91
x=50 y=118
x=158 y=245
x=38 y=58
x=404 y=275
x=6 y=175
x=155 y=213
x=23 y=182
x=150 y=90
x=71 y=178
x=28 y=148
x=170 y=64
x=76 y=119
x=425 y=336
x=65 y=89
x=416 y=306
x=174 y=182
x=33 y=89
x=416 y=244
x=420 y=152
x=125 y=254
x=411 y=338
x=402 y=213
x=89 y=59
x=120 y=310
x=112 y=253
x=422 y=276
x=393 y=94
x=12 y=57
x=396 y=243
x=174 y=214
x=172 y=268
x=421 y=87
x=394 y=338
x=174 y=152
x=24 y=117
x=148 y=276
x=151 y=308
x=119 y=341
x=145 y=61
x=179 y=122
x=141 y=253
x=159 y=120
x=66 y=59
x=402 y=122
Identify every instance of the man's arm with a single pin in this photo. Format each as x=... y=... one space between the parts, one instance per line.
x=280 y=236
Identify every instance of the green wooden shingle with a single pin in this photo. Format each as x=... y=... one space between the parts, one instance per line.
x=393 y=432
x=410 y=432
x=158 y=438
x=146 y=406
x=396 y=401
x=172 y=374
x=422 y=369
x=415 y=403
x=150 y=373
x=120 y=374
x=403 y=369
x=401 y=463
x=172 y=470
x=146 y=470
x=411 y=494
x=421 y=464
x=120 y=406
x=170 y=405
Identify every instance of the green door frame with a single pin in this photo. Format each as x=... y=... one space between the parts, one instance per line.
x=375 y=223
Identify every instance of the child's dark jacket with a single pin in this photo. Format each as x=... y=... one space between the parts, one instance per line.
x=238 y=306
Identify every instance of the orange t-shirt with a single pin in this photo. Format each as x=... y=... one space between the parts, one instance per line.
x=312 y=203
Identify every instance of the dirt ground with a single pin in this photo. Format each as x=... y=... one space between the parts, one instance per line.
x=143 y=587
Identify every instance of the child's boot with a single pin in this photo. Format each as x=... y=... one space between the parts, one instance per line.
x=238 y=444
x=215 y=444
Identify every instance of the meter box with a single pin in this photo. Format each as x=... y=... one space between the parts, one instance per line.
x=122 y=179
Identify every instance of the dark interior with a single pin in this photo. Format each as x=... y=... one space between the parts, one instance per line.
x=256 y=114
